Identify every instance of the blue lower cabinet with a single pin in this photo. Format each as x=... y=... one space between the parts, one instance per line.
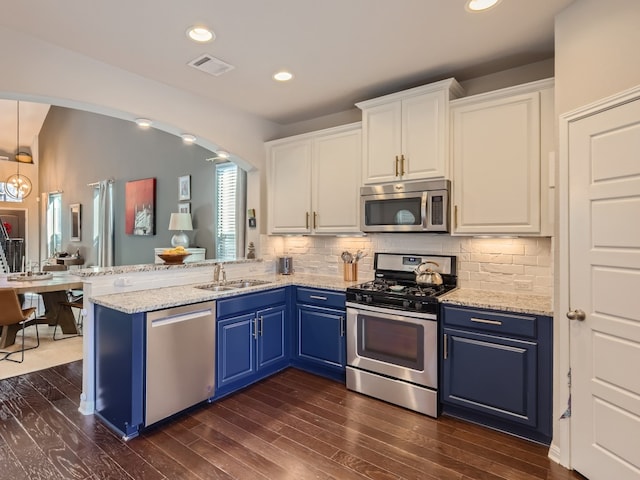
x=252 y=339
x=236 y=358
x=497 y=370
x=271 y=337
x=320 y=333
x=120 y=364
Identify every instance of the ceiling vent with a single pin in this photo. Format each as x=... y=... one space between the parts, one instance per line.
x=211 y=65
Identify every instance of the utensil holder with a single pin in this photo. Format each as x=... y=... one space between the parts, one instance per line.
x=350 y=272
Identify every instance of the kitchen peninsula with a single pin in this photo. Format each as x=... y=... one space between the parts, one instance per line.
x=138 y=289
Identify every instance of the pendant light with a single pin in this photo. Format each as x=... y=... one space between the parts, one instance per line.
x=18 y=186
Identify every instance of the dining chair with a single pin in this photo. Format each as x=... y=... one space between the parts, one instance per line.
x=73 y=302
x=13 y=316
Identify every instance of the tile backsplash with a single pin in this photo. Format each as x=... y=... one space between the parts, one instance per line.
x=522 y=265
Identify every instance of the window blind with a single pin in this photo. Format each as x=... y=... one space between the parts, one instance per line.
x=226 y=218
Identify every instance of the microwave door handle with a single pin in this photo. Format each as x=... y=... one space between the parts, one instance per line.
x=424 y=208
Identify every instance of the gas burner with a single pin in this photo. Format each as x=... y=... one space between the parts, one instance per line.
x=395 y=286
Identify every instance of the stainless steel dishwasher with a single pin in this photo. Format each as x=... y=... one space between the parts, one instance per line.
x=180 y=359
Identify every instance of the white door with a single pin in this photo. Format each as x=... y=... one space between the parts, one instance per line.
x=604 y=283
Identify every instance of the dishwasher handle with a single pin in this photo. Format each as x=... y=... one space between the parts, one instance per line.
x=183 y=317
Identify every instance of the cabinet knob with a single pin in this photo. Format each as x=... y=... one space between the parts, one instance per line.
x=577 y=314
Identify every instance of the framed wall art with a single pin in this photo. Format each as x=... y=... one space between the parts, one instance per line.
x=75 y=222
x=184 y=207
x=140 y=207
x=184 y=187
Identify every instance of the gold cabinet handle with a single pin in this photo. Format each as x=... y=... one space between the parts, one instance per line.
x=489 y=322
x=402 y=165
x=445 y=347
x=396 y=165
x=306 y=223
x=315 y=220
x=455 y=217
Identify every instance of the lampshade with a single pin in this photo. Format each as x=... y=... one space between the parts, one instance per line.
x=180 y=221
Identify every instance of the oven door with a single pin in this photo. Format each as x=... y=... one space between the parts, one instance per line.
x=394 y=344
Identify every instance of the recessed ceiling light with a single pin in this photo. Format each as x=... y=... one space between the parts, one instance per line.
x=479 y=5
x=283 y=76
x=143 y=122
x=188 y=138
x=200 y=34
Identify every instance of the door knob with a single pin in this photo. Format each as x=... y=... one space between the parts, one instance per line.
x=576 y=315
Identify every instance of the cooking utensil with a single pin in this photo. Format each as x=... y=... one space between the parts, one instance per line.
x=360 y=254
x=346 y=257
x=426 y=276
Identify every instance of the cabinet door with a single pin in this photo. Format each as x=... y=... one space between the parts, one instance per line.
x=496 y=165
x=290 y=187
x=321 y=336
x=336 y=181
x=271 y=331
x=491 y=374
x=424 y=151
x=236 y=349
x=381 y=127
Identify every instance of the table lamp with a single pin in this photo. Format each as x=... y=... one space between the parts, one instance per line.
x=180 y=222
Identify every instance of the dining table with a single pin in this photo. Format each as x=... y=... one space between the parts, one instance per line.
x=53 y=287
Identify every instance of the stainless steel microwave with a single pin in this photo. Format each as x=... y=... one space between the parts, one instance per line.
x=406 y=207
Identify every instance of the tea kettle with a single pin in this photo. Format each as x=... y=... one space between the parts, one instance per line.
x=426 y=276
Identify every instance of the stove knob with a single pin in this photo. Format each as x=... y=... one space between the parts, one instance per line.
x=368 y=298
x=358 y=297
x=406 y=303
x=418 y=305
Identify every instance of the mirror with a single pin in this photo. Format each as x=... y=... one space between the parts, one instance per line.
x=75 y=222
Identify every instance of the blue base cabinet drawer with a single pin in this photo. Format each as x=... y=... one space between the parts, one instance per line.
x=501 y=323
x=496 y=370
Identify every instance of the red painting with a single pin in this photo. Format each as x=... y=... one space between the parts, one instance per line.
x=140 y=207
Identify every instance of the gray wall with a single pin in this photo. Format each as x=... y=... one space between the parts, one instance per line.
x=77 y=148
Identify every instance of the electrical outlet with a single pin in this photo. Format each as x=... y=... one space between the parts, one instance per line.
x=523 y=284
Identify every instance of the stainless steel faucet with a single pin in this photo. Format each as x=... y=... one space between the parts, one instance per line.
x=216 y=273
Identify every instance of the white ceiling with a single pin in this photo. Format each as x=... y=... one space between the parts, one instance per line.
x=340 y=51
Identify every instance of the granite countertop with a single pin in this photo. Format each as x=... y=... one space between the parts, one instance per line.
x=510 y=302
x=160 y=298
x=150 y=267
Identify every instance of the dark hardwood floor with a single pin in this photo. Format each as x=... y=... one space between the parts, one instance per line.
x=291 y=426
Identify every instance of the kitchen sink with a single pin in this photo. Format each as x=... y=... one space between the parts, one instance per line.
x=215 y=287
x=246 y=283
x=232 y=285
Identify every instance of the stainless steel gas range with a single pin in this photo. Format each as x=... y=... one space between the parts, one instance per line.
x=392 y=331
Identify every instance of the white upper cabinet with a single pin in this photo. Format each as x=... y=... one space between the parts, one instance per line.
x=313 y=182
x=406 y=134
x=501 y=147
